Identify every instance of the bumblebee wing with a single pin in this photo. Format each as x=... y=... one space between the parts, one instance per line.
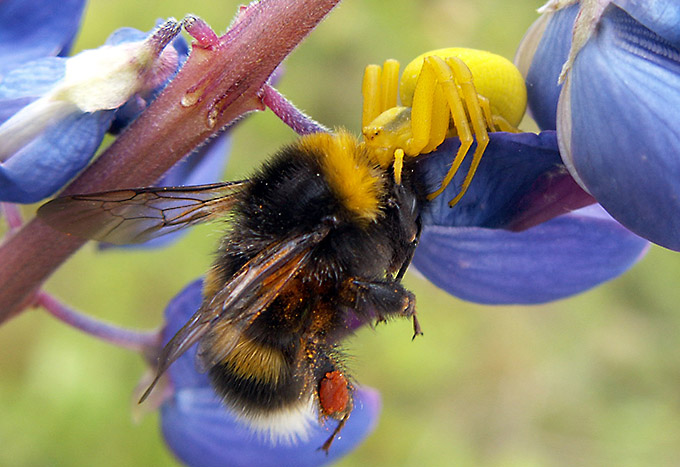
x=137 y=215
x=241 y=300
x=251 y=290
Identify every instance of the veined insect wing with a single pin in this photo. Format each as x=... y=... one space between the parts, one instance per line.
x=139 y=214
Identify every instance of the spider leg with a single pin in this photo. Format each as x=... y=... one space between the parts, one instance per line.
x=440 y=118
x=503 y=125
x=370 y=90
x=488 y=116
x=398 y=165
x=495 y=122
x=390 y=85
x=464 y=80
x=429 y=115
x=379 y=90
x=444 y=76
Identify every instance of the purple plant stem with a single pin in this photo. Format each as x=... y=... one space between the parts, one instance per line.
x=139 y=341
x=216 y=85
x=301 y=123
x=12 y=215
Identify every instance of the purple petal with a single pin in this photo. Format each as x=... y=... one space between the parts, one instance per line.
x=618 y=125
x=37 y=28
x=202 y=433
x=562 y=257
x=46 y=164
x=515 y=185
x=541 y=79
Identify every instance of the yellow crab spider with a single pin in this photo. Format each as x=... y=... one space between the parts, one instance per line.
x=445 y=92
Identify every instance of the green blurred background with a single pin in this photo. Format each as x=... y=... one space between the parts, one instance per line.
x=593 y=380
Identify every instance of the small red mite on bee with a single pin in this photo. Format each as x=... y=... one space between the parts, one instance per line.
x=317 y=238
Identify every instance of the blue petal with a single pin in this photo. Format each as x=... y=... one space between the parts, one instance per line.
x=661 y=16
x=515 y=182
x=55 y=156
x=202 y=432
x=46 y=164
x=622 y=105
x=183 y=372
x=541 y=80
x=37 y=28
x=25 y=83
x=124 y=35
x=132 y=109
x=562 y=257
x=203 y=166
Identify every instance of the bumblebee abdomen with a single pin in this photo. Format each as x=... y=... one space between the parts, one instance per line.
x=266 y=389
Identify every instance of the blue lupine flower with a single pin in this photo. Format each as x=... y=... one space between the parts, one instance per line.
x=475 y=251
x=616 y=111
x=493 y=247
x=36 y=29
x=201 y=432
x=62 y=107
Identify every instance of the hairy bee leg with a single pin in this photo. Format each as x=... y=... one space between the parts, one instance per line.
x=327 y=444
x=410 y=253
x=417 y=330
x=380 y=300
x=464 y=79
x=333 y=390
x=441 y=73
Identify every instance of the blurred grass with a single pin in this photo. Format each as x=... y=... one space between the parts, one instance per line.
x=588 y=381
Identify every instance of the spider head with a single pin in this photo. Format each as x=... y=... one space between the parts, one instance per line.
x=389 y=131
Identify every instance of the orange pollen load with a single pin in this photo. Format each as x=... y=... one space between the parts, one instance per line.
x=333 y=393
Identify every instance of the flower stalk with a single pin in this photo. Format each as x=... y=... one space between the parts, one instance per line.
x=301 y=123
x=143 y=342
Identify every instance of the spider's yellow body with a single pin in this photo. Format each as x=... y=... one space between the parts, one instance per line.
x=445 y=92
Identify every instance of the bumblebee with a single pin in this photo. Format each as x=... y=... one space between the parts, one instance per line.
x=318 y=241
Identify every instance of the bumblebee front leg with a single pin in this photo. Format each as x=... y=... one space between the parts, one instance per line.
x=380 y=300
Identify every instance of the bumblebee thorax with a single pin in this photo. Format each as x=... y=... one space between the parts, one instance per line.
x=351 y=172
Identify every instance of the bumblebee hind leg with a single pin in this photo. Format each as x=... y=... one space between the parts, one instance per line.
x=334 y=392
